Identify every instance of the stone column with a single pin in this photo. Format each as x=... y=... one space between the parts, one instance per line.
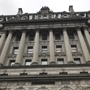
x=36 y=49
x=21 y=49
x=5 y=48
x=2 y=40
x=52 y=51
x=83 y=46
x=87 y=36
x=67 y=47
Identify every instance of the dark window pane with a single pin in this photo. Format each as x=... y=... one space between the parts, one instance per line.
x=60 y=61
x=77 y=60
x=44 y=62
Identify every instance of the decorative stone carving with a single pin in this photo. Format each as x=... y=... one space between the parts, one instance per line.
x=60 y=54
x=43 y=88
x=44 y=42
x=16 y=42
x=12 y=55
x=44 y=54
x=76 y=54
x=3 y=84
x=64 y=14
x=12 y=84
x=28 y=55
x=66 y=88
x=1 y=18
x=30 y=43
x=20 y=88
x=65 y=82
x=58 y=42
x=73 y=41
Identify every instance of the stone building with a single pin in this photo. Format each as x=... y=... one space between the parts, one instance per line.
x=45 y=50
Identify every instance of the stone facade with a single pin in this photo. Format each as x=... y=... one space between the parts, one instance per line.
x=45 y=50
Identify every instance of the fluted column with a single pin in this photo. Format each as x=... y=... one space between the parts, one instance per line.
x=52 y=52
x=83 y=46
x=5 y=48
x=67 y=47
x=21 y=49
x=36 y=48
x=2 y=40
x=87 y=36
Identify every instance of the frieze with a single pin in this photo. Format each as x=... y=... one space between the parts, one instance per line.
x=28 y=27
x=60 y=54
x=28 y=55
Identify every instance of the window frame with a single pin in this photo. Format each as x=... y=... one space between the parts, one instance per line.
x=27 y=60
x=77 y=59
x=45 y=63
x=59 y=49
x=74 y=49
x=30 y=49
x=15 y=50
x=11 y=62
x=60 y=59
x=44 y=50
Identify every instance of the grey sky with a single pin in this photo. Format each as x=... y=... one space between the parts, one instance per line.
x=8 y=7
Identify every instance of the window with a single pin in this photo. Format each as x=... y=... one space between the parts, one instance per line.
x=44 y=49
x=30 y=49
x=58 y=48
x=31 y=38
x=45 y=16
x=57 y=36
x=44 y=36
x=28 y=62
x=18 y=38
x=44 y=62
x=12 y=62
x=15 y=50
x=71 y=36
x=60 y=61
x=73 y=48
x=77 y=60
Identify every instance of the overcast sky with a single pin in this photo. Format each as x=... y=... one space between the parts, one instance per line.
x=10 y=7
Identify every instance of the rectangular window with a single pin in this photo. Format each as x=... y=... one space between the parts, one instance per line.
x=73 y=48
x=15 y=50
x=71 y=36
x=44 y=49
x=60 y=61
x=18 y=37
x=58 y=48
x=44 y=36
x=77 y=60
x=28 y=62
x=57 y=36
x=44 y=62
x=31 y=38
x=11 y=62
x=30 y=49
